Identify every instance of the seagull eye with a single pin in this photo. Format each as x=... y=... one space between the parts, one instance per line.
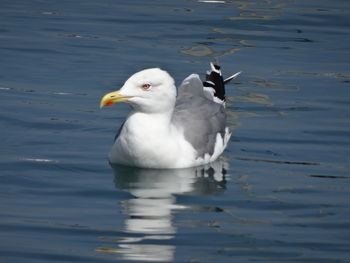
x=146 y=86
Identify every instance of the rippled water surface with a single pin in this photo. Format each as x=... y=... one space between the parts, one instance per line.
x=280 y=193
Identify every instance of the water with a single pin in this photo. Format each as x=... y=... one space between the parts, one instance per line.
x=279 y=193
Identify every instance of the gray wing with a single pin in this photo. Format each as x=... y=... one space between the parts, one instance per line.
x=200 y=117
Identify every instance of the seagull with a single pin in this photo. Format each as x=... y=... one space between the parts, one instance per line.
x=171 y=128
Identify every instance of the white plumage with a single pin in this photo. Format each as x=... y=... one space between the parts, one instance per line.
x=168 y=128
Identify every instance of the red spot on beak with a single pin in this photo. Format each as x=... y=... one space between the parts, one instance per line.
x=109 y=103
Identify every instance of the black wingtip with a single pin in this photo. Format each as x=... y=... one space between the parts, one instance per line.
x=215 y=80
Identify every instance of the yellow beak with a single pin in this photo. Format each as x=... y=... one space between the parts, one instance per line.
x=112 y=98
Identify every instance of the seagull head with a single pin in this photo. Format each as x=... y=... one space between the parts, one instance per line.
x=150 y=91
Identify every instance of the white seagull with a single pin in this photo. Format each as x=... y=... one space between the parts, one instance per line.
x=169 y=127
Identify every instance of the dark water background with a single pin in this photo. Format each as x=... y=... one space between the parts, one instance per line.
x=280 y=193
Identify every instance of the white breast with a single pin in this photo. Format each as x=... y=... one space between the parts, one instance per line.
x=150 y=141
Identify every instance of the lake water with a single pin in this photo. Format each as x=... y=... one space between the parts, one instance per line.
x=280 y=192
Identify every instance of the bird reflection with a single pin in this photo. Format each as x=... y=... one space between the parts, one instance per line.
x=154 y=200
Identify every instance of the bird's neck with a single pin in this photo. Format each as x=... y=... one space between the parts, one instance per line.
x=159 y=122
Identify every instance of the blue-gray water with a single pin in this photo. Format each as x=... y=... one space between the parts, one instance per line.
x=280 y=193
